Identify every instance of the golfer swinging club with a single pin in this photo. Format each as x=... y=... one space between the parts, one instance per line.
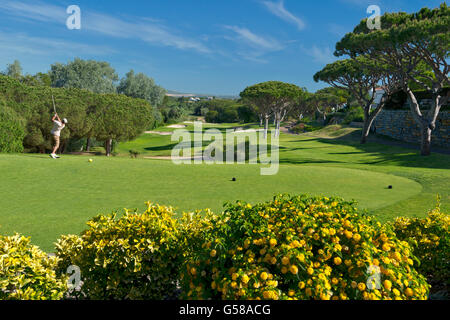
x=56 y=133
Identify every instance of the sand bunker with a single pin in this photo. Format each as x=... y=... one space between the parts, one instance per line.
x=177 y=126
x=249 y=130
x=159 y=133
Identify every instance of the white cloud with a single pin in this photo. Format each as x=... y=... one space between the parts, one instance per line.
x=320 y=55
x=145 y=29
x=255 y=40
x=149 y=32
x=253 y=47
x=34 y=11
x=22 y=43
x=278 y=9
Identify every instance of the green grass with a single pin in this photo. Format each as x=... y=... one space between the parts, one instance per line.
x=44 y=198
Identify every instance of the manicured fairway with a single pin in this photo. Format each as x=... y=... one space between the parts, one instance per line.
x=44 y=198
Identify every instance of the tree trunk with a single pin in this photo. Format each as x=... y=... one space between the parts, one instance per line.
x=368 y=121
x=108 y=144
x=88 y=144
x=266 y=127
x=277 y=124
x=426 y=124
x=369 y=118
x=426 y=141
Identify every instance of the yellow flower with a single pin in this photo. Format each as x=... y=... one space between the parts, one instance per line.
x=301 y=257
x=273 y=260
x=356 y=237
x=337 y=261
x=285 y=261
x=310 y=271
x=409 y=292
x=234 y=276
x=293 y=269
x=284 y=270
x=396 y=292
x=324 y=296
x=273 y=242
x=361 y=286
x=386 y=247
x=264 y=276
x=193 y=271
x=334 y=281
x=301 y=285
x=291 y=293
x=245 y=279
x=387 y=285
x=213 y=253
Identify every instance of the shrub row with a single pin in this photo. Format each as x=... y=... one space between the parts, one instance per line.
x=430 y=240
x=289 y=248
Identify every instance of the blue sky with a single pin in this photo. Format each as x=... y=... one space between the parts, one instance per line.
x=202 y=46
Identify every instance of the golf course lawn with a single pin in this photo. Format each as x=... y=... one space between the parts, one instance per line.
x=44 y=198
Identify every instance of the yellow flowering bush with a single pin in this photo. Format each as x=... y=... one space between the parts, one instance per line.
x=27 y=273
x=136 y=256
x=300 y=248
x=430 y=239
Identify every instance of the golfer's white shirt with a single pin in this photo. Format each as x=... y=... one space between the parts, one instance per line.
x=57 y=127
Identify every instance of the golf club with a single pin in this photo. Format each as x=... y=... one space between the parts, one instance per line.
x=54 y=106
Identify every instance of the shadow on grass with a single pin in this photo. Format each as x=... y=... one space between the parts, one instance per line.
x=382 y=150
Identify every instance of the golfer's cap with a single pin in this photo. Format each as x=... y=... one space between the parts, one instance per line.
x=65 y=120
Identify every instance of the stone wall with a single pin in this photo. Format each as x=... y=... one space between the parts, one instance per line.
x=400 y=125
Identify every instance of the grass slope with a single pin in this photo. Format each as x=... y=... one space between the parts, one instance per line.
x=44 y=198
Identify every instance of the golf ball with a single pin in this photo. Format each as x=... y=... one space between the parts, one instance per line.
x=90 y=160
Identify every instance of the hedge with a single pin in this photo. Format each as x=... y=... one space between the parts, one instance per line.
x=301 y=248
x=27 y=273
x=293 y=247
x=91 y=115
x=12 y=131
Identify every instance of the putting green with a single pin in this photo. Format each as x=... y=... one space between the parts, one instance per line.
x=44 y=198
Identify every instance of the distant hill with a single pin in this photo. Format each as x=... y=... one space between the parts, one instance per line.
x=173 y=93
